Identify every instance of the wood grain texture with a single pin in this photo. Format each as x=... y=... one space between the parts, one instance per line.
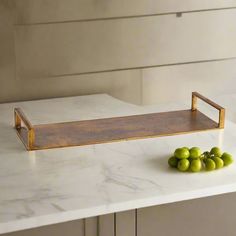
x=38 y=11
x=83 y=47
x=117 y=129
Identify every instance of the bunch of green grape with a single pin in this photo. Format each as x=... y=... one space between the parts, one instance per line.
x=194 y=160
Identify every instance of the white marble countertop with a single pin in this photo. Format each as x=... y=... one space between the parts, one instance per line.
x=52 y=186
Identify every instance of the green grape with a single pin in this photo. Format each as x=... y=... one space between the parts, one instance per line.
x=227 y=158
x=183 y=164
x=195 y=152
x=186 y=148
x=218 y=162
x=195 y=165
x=173 y=161
x=210 y=164
x=216 y=152
x=181 y=153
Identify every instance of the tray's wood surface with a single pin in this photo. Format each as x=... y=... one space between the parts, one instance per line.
x=119 y=128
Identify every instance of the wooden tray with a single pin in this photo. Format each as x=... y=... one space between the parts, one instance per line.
x=36 y=137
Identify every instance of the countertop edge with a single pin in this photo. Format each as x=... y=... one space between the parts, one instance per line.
x=62 y=217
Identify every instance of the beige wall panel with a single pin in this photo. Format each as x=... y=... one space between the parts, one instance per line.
x=55 y=49
x=7 y=49
x=106 y=225
x=206 y=217
x=36 y=11
x=125 y=223
x=124 y=85
x=72 y=228
x=175 y=83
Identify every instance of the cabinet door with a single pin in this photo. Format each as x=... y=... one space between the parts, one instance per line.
x=72 y=228
x=117 y=224
x=126 y=223
x=206 y=216
x=91 y=226
x=106 y=225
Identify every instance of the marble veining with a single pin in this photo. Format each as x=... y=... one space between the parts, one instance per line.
x=51 y=186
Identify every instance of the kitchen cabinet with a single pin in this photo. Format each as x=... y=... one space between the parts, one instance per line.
x=206 y=216
x=73 y=228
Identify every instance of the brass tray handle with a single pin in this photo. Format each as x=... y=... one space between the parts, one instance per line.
x=196 y=95
x=19 y=119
